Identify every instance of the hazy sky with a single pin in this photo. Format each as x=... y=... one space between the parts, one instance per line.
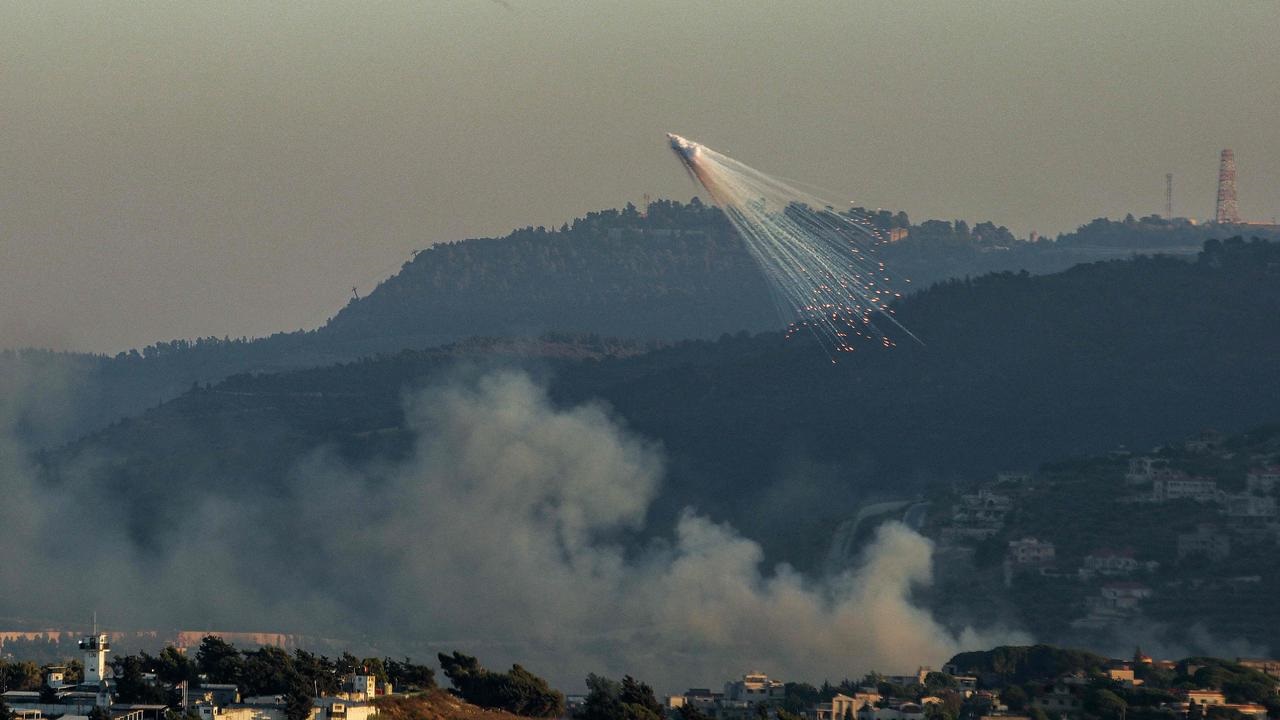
x=182 y=169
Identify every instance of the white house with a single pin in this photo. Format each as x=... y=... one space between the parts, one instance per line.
x=755 y=687
x=1179 y=486
x=1125 y=595
x=1247 y=506
x=1030 y=551
x=1263 y=480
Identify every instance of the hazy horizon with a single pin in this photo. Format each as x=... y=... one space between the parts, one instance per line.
x=234 y=169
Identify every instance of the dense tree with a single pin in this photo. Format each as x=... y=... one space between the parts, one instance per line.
x=405 y=676
x=297 y=699
x=219 y=661
x=936 y=682
x=1014 y=697
x=20 y=675
x=131 y=684
x=317 y=672
x=1022 y=664
x=629 y=699
x=639 y=695
x=1105 y=704
x=173 y=667
x=800 y=696
x=268 y=671
x=689 y=711
x=517 y=691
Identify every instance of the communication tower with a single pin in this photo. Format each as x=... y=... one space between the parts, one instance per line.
x=1227 y=210
x=1168 y=196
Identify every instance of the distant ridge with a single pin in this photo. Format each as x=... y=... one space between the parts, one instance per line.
x=674 y=271
x=1017 y=370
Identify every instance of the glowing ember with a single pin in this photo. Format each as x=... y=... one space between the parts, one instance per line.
x=819 y=263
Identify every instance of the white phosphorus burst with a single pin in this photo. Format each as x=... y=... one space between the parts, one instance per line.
x=820 y=264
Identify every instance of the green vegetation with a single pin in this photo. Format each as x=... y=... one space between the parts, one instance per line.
x=1127 y=352
x=268 y=670
x=674 y=272
x=1230 y=596
x=517 y=691
x=1022 y=675
x=20 y=675
x=627 y=700
x=1011 y=664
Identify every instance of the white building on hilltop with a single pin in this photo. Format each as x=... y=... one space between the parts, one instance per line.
x=755 y=687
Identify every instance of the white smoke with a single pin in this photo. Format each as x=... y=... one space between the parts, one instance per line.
x=509 y=533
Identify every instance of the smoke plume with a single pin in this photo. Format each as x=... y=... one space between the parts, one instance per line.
x=512 y=532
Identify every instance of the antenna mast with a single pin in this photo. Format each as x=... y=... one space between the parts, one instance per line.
x=1227 y=211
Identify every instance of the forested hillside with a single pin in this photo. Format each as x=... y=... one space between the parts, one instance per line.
x=1015 y=370
x=673 y=272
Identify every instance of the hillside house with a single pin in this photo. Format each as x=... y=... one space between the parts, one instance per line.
x=1123 y=675
x=1143 y=469
x=1179 y=486
x=898 y=711
x=984 y=507
x=700 y=698
x=272 y=708
x=1263 y=480
x=1247 y=506
x=1110 y=563
x=1061 y=700
x=741 y=700
x=1030 y=551
x=846 y=706
x=1203 y=697
x=755 y=687
x=1270 y=667
x=1124 y=595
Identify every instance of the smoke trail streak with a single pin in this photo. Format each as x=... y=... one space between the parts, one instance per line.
x=819 y=263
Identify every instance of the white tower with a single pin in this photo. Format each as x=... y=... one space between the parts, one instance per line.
x=95 y=649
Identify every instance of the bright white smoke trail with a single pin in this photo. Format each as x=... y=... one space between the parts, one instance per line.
x=820 y=264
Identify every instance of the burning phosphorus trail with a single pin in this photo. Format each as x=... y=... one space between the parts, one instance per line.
x=820 y=264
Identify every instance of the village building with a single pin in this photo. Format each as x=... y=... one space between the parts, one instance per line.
x=1270 y=667
x=1125 y=595
x=1179 y=486
x=755 y=687
x=846 y=706
x=1109 y=563
x=1030 y=551
x=1143 y=469
x=1247 y=506
x=1061 y=701
x=1263 y=480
